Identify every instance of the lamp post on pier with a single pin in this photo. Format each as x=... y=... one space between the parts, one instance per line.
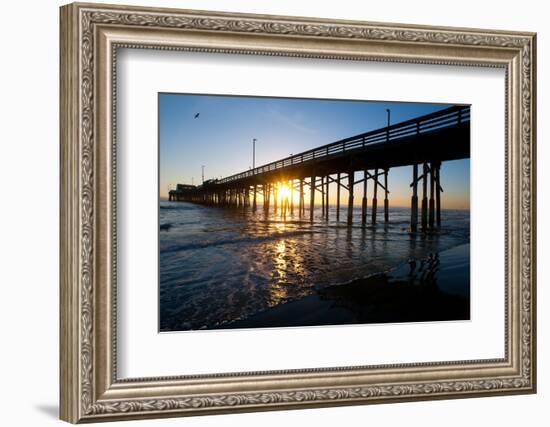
x=388 y=116
x=254 y=153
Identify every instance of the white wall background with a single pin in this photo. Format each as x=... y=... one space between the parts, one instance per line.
x=29 y=171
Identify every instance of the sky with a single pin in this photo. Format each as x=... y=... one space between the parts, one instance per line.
x=221 y=138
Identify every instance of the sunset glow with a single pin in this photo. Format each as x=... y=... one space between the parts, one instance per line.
x=284 y=192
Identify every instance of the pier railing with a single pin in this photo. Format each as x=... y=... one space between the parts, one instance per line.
x=452 y=116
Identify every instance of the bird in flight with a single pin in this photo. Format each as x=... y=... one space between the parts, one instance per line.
x=197 y=115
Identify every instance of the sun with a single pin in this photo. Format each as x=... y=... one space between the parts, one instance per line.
x=284 y=191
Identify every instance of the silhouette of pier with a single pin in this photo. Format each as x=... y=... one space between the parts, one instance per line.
x=423 y=143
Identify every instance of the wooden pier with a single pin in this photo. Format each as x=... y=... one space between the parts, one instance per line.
x=423 y=143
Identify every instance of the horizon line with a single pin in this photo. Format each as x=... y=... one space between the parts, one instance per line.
x=342 y=205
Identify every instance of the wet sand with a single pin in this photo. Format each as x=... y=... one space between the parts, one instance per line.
x=436 y=288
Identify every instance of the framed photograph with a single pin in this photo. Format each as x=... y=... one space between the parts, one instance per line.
x=266 y=212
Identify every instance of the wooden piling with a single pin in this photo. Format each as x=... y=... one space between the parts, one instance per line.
x=386 y=200
x=291 y=197
x=303 y=198
x=338 y=198
x=424 y=196
x=312 y=197
x=364 y=201
x=438 y=194
x=326 y=195
x=323 y=196
x=375 y=197
x=254 y=199
x=414 y=200
x=288 y=202
x=351 y=179
x=301 y=201
x=275 y=198
x=267 y=196
x=431 y=215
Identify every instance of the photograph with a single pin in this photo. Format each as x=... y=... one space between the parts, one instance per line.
x=292 y=212
x=347 y=208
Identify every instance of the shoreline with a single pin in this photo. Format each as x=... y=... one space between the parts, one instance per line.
x=436 y=288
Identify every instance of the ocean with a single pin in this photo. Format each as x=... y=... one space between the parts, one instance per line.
x=230 y=267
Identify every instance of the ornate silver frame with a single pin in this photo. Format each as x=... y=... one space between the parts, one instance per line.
x=90 y=36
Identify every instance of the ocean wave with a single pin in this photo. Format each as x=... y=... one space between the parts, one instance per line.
x=177 y=207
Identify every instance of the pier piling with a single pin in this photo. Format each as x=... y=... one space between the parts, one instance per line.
x=338 y=198
x=351 y=179
x=386 y=200
x=323 y=196
x=312 y=197
x=267 y=196
x=431 y=215
x=364 y=201
x=326 y=196
x=438 y=194
x=275 y=194
x=374 y=197
x=414 y=200
x=291 y=197
x=254 y=199
x=301 y=201
x=424 y=196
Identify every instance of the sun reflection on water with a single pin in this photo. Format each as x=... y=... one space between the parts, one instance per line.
x=288 y=272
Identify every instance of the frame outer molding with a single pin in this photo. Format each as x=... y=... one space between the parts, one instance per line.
x=89 y=388
x=69 y=219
